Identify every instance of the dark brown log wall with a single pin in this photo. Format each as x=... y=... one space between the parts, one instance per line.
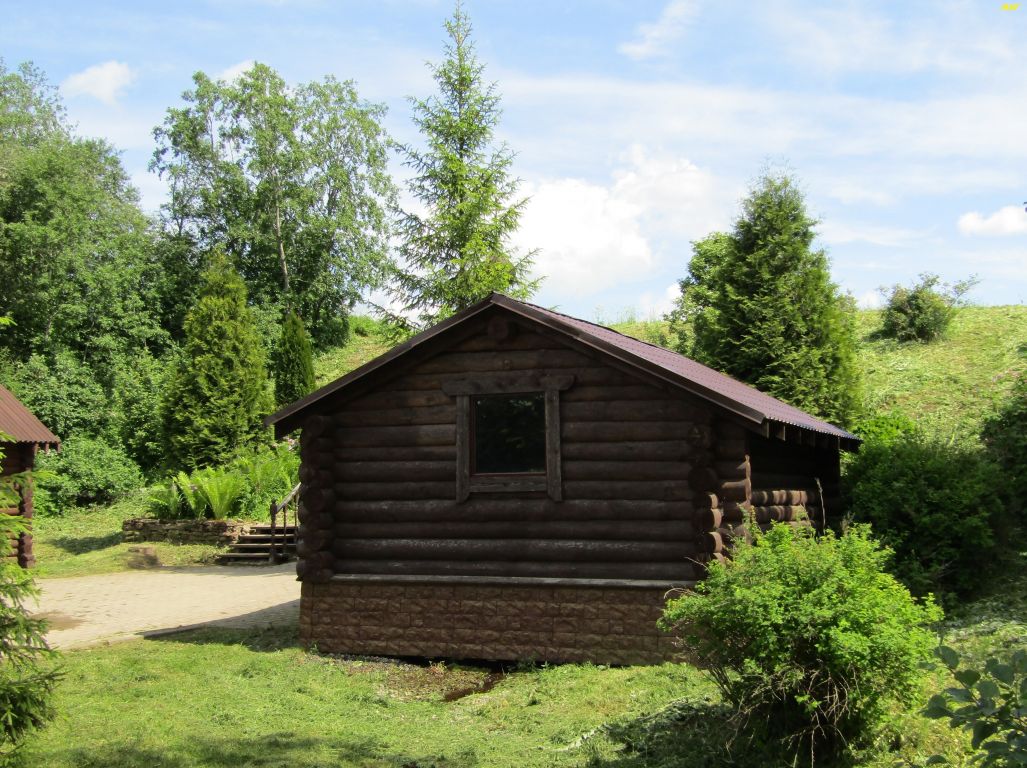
x=20 y=457
x=379 y=474
x=796 y=464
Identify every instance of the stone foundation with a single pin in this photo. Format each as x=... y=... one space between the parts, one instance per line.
x=220 y=533
x=604 y=625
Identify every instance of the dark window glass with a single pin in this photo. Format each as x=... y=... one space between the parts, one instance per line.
x=509 y=434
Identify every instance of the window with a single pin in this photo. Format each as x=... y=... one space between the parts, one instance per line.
x=508 y=433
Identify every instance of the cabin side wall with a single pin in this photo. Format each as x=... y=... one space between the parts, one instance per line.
x=785 y=475
x=644 y=470
x=20 y=457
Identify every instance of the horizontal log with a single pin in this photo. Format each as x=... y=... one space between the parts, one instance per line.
x=730 y=448
x=504 y=360
x=592 y=530
x=315 y=520
x=779 y=514
x=590 y=375
x=656 y=450
x=629 y=410
x=594 y=393
x=395 y=471
x=704 y=480
x=388 y=491
x=385 y=399
x=519 y=341
x=394 y=453
x=313 y=427
x=397 y=417
x=734 y=490
x=684 y=570
x=434 y=434
x=315 y=500
x=625 y=470
x=511 y=509
x=762 y=498
x=656 y=490
x=732 y=470
x=612 y=431
x=536 y=550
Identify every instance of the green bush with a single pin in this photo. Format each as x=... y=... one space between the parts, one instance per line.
x=1005 y=435
x=243 y=488
x=62 y=392
x=923 y=312
x=934 y=503
x=807 y=638
x=991 y=703
x=293 y=361
x=87 y=470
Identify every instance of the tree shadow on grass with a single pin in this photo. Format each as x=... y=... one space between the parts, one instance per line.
x=80 y=545
x=268 y=638
x=696 y=734
x=274 y=750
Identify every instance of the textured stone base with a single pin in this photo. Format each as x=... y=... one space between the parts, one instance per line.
x=497 y=623
x=222 y=533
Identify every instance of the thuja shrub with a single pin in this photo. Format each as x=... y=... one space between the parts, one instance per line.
x=809 y=639
x=934 y=503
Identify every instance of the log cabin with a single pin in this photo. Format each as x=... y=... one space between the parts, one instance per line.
x=515 y=484
x=23 y=435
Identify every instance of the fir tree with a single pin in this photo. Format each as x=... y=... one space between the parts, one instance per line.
x=215 y=400
x=764 y=310
x=458 y=251
x=293 y=361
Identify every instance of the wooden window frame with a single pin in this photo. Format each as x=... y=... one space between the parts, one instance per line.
x=551 y=481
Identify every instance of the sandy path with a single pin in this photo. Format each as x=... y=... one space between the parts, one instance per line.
x=90 y=610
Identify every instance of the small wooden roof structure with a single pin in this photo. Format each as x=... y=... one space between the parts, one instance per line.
x=20 y=425
x=762 y=412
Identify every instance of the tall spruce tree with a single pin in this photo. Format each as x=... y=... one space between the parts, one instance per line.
x=764 y=310
x=458 y=251
x=214 y=401
x=293 y=361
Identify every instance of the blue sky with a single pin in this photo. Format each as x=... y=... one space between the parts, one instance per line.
x=637 y=125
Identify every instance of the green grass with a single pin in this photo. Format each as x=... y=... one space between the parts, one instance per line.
x=233 y=698
x=365 y=343
x=89 y=541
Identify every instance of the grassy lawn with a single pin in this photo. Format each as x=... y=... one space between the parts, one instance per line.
x=89 y=541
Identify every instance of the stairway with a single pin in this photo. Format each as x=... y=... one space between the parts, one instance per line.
x=254 y=548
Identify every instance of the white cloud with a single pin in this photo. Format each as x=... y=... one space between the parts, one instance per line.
x=839 y=233
x=870 y=300
x=595 y=237
x=655 y=305
x=1010 y=220
x=234 y=72
x=654 y=39
x=103 y=82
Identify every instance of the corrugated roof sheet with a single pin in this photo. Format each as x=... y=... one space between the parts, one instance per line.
x=701 y=375
x=17 y=421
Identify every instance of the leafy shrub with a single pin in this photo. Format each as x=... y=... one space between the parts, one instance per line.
x=933 y=503
x=807 y=638
x=991 y=704
x=886 y=428
x=270 y=474
x=923 y=312
x=87 y=470
x=1006 y=438
x=62 y=392
x=136 y=419
x=221 y=491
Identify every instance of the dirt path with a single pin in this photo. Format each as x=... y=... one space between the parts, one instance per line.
x=90 y=610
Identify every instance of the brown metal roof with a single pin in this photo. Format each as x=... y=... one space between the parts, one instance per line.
x=18 y=422
x=747 y=402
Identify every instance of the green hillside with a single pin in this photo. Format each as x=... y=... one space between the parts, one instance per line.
x=947 y=386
